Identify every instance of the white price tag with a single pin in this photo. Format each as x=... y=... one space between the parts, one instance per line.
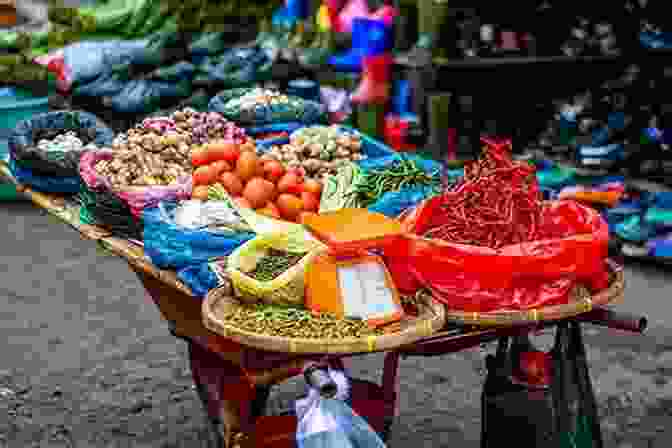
x=366 y=294
x=592 y=161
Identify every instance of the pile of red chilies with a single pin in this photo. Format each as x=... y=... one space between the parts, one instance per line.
x=497 y=203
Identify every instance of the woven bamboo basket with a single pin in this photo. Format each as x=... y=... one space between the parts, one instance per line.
x=431 y=318
x=581 y=301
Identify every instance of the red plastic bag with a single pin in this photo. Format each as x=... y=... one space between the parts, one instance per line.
x=515 y=277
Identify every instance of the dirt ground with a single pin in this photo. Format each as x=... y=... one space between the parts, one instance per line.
x=87 y=361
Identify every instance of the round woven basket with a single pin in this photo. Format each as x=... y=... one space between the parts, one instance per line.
x=431 y=318
x=581 y=301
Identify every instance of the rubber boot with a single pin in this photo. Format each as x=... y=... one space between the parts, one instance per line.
x=333 y=8
x=353 y=9
x=385 y=14
x=369 y=38
x=375 y=85
x=432 y=14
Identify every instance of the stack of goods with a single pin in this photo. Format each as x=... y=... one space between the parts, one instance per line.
x=152 y=161
x=489 y=220
x=642 y=222
x=45 y=151
x=265 y=110
x=262 y=183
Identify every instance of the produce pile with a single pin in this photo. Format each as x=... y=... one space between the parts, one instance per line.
x=274 y=264
x=319 y=150
x=65 y=142
x=262 y=183
x=404 y=173
x=292 y=322
x=497 y=203
x=158 y=151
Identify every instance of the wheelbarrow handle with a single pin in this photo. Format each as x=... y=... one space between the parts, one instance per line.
x=614 y=319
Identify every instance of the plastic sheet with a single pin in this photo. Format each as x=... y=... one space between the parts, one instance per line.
x=23 y=150
x=144 y=96
x=169 y=245
x=331 y=423
x=199 y=278
x=515 y=277
x=45 y=183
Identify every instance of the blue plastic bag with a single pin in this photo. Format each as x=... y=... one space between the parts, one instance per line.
x=171 y=246
x=199 y=278
x=44 y=183
x=331 y=423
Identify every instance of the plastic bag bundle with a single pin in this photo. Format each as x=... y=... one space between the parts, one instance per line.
x=236 y=68
x=144 y=95
x=288 y=287
x=23 y=145
x=45 y=184
x=295 y=110
x=105 y=209
x=170 y=245
x=199 y=278
x=330 y=422
x=516 y=277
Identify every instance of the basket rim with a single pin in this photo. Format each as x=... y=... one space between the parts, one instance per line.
x=535 y=315
x=433 y=323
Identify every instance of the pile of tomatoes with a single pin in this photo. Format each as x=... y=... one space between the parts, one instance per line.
x=257 y=182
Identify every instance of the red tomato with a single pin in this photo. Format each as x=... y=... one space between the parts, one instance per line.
x=227 y=151
x=221 y=166
x=204 y=175
x=312 y=186
x=199 y=156
x=290 y=183
x=311 y=201
x=273 y=171
x=242 y=202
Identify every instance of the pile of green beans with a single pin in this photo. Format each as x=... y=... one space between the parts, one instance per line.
x=273 y=264
x=296 y=323
x=403 y=173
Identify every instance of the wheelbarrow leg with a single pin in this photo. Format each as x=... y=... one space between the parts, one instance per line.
x=390 y=392
x=225 y=392
x=213 y=423
x=585 y=384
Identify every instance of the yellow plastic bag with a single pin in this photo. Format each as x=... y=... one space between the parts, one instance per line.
x=287 y=288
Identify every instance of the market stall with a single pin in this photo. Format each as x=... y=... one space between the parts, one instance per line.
x=262 y=299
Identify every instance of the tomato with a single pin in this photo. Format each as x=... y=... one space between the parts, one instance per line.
x=227 y=151
x=290 y=206
x=247 y=165
x=311 y=201
x=199 y=156
x=273 y=171
x=231 y=183
x=200 y=192
x=204 y=175
x=221 y=166
x=290 y=183
x=312 y=186
x=258 y=192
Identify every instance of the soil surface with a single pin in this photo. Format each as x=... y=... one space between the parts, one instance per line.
x=87 y=360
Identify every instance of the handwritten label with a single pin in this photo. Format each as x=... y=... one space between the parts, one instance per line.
x=366 y=294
